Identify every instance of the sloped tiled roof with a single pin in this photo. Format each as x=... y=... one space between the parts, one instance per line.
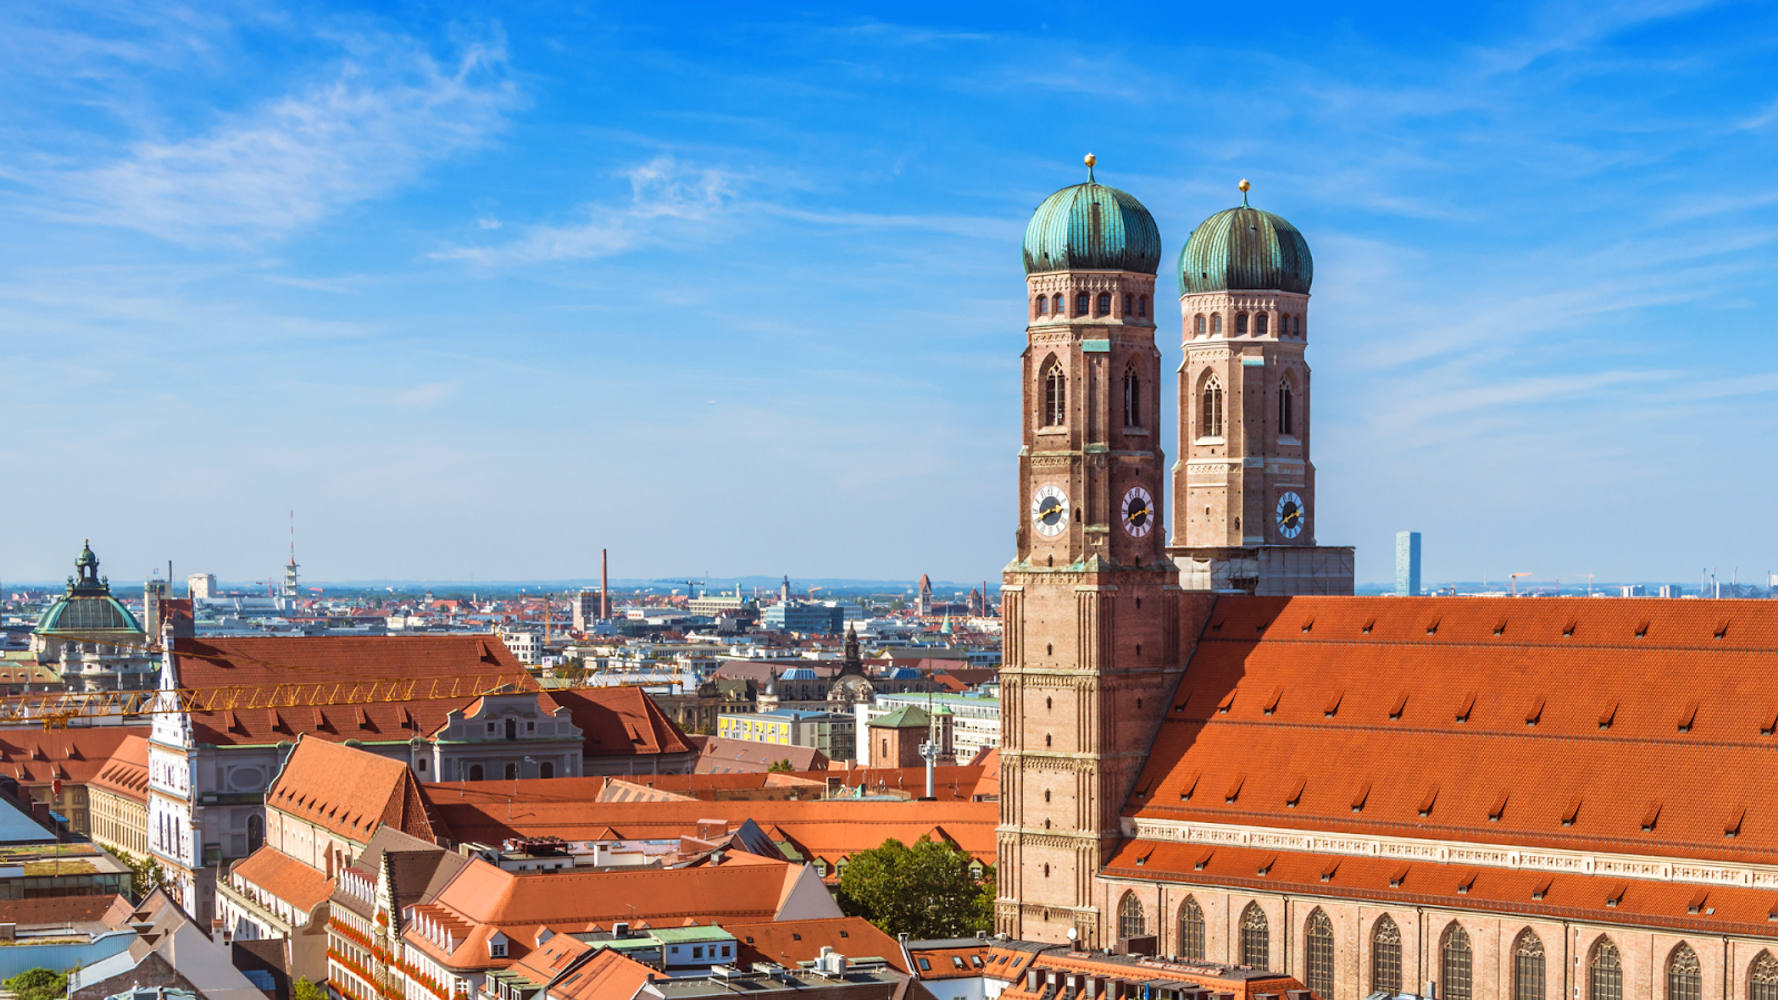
x=788 y=942
x=605 y=976
x=284 y=877
x=350 y=792
x=126 y=773
x=76 y=756
x=620 y=721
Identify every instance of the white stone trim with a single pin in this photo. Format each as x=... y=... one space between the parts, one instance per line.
x=1456 y=853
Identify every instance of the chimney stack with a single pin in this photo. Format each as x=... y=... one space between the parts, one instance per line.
x=604 y=584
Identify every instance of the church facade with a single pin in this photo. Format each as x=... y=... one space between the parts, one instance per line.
x=1212 y=751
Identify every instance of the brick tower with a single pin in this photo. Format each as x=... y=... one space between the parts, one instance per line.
x=1244 y=496
x=1091 y=608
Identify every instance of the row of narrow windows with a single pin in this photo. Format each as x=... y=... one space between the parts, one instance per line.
x=1055 y=396
x=1210 y=423
x=1456 y=958
x=1289 y=325
x=1047 y=305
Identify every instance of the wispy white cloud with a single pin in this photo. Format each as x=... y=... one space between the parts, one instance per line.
x=373 y=123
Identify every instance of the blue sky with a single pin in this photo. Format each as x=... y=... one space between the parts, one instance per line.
x=735 y=289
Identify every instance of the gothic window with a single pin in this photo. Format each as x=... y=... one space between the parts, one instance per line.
x=1043 y=305
x=1528 y=966
x=1685 y=978
x=1256 y=938
x=1320 y=950
x=1130 y=922
x=1142 y=305
x=1259 y=323
x=1240 y=324
x=1198 y=325
x=1080 y=304
x=1762 y=978
x=1104 y=303
x=1286 y=416
x=1128 y=304
x=1191 y=930
x=1132 y=397
x=1605 y=972
x=1211 y=424
x=1058 y=304
x=1458 y=963
x=1386 y=957
x=1296 y=325
x=1055 y=396
x=1216 y=323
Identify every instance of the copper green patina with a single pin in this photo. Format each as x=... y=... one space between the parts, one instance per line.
x=1244 y=248
x=1091 y=227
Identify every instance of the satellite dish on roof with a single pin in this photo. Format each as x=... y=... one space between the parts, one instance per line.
x=1072 y=933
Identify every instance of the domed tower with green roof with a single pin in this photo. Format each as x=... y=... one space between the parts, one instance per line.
x=95 y=642
x=1091 y=607
x=1244 y=513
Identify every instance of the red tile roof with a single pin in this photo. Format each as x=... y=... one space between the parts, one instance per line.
x=620 y=721
x=285 y=877
x=948 y=960
x=350 y=792
x=1243 y=982
x=75 y=755
x=788 y=942
x=720 y=755
x=126 y=773
x=609 y=975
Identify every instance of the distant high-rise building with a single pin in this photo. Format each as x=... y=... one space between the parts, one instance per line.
x=1671 y=590
x=1634 y=590
x=587 y=606
x=1407 y=564
x=202 y=586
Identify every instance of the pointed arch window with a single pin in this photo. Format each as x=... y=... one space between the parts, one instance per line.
x=1216 y=323
x=1320 y=953
x=1685 y=976
x=1043 y=305
x=1386 y=957
x=1256 y=938
x=1762 y=977
x=1198 y=325
x=1191 y=931
x=1210 y=420
x=1055 y=395
x=1260 y=322
x=1457 y=960
x=1130 y=922
x=1605 y=972
x=1286 y=409
x=1132 y=397
x=1528 y=966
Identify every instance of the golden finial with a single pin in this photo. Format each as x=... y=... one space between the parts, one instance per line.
x=1244 y=186
x=1091 y=159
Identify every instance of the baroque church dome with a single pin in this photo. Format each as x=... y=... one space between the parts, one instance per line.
x=1091 y=227
x=1244 y=248
x=87 y=606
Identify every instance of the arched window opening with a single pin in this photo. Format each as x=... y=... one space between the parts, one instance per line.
x=1216 y=323
x=1528 y=966
x=1457 y=960
x=1685 y=977
x=1296 y=325
x=475 y=772
x=512 y=771
x=1080 y=304
x=1130 y=922
x=1046 y=795
x=546 y=770
x=1128 y=300
x=1762 y=977
x=1104 y=303
x=1057 y=300
x=1132 y=397
x=255 y=832
x=1198 y=325
x=1055 y=396
x=1256 y=938
x=1210 y=424
x=1260 y=323
x=1286 y=416
x=1386 y=957
x=1142 y=305
x=1043 y=305
x=1191 y=930
x=1320 y=953
x=1240 y=324
x=1605 y=972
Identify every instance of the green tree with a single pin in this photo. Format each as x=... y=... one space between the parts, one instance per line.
x=302 y=989
x=782 y=767
x=146 y=874
x=924 y=891
x=38 y=984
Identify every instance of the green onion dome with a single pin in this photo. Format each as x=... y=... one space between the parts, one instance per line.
x=1245 y=249
x=1091 y=227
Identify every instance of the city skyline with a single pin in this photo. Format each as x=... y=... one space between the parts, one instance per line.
x=480 y=298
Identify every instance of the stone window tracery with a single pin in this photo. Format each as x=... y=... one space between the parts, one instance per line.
x=1762 y=977
x=1685 y=977
x=1055 y=395
x=1528 y=966
x=1320 y=937
x=1132 y=397
x=1256 y=938
x=1457 y=960
x=1605 y=972
x=1191 y=930
x=1211 y=423
x=1286 y=409
x=1130 y=921
x=1386 y=957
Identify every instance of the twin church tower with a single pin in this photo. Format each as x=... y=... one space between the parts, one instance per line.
x=1115 y=572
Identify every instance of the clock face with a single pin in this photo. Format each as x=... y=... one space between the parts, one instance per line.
x=1292 y=515
x=1138 y=512
x=1049 y=510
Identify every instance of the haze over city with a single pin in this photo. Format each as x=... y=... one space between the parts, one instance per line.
x=739 y=293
